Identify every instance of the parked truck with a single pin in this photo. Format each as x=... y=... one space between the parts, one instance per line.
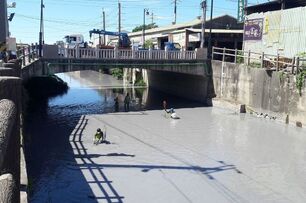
x=74 y=40
x=171 y=46
x=124 y=40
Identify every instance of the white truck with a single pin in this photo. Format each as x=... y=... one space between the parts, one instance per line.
x=74 y=40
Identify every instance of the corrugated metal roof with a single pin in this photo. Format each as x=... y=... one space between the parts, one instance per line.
x=227 y=31
x=170 y=28
x=274 y=6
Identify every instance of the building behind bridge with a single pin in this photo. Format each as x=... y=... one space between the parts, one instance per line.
x=226 y=32
x=276 y=27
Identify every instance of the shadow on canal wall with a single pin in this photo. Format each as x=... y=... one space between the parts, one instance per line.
x=264 y=91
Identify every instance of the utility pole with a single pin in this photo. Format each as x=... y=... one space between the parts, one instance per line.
x=145 y=12
x=119 y=23
x=283 y=4
x=203 y=5
x=41 y=32
x=152 y=18
x=210 y=28
x=3 y=25
x=175 y=5
x=104 y=38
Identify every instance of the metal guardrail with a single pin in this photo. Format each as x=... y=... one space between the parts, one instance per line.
x=28 y=54
x=126 y=54
x=262 y=60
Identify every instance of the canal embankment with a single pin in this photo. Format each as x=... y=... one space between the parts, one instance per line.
x=13 y=179
x=14 y=182
x=264 y=92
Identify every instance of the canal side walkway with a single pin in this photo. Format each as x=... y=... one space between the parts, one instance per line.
x=209 y=155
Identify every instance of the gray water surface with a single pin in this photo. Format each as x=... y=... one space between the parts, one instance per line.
x=211 y=153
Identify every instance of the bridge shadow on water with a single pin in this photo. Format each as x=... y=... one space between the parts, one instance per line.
x=98 y=178
x=80 y=153
x=57 y=148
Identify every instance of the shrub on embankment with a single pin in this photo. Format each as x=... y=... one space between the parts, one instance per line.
x=117 y=73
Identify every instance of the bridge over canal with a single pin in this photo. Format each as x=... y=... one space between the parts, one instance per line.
x=178 y=72
x=175 y=72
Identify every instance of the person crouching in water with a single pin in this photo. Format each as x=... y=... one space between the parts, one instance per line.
x=98 y=137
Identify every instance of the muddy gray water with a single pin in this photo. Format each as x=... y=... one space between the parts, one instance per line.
x=270 y=155
x=48 y=126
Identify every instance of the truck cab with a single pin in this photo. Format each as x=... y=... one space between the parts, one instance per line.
x=72 y=41
x=171 y=46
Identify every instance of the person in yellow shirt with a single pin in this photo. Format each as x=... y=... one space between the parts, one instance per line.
x=98 y=137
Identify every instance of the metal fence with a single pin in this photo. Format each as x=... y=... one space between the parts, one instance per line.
x=28 y=54
x=126 y=54
x=259 y=60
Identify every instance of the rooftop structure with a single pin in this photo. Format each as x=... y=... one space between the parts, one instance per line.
x=275 y=5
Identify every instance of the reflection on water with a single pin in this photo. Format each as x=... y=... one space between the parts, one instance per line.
x=48 y=127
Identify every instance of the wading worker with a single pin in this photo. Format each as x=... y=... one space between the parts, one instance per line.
x=116 y=100
x=98 y=136
x=127 y=100
x=165 y=105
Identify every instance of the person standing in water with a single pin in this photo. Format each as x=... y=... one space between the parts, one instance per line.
x=165 y=105
x=127 y=100
x=116 y=100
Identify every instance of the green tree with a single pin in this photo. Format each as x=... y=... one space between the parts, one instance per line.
x=147 y=27
x=148 y=44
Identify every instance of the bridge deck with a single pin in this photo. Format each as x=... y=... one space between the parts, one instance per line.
x=29 y=54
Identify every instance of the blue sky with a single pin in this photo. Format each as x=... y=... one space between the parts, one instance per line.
x=64 y=17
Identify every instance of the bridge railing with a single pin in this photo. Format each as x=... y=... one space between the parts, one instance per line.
x=127 y=54
x=258 y=60
x=28 y=54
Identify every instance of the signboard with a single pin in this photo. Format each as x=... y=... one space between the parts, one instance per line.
x=253 y=29
x=241 y=5
x=11 y=44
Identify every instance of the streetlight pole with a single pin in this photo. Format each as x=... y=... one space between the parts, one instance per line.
x=283 y=2
x=3 y=25
x=41 y=32
x=104 y=37
x=119 y=24
x=203 y=5
x=210 y=28
x=145 y=12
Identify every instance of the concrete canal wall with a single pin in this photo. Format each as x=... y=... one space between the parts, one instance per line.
x=270 y=92
x=196 y=85
x=13 y=178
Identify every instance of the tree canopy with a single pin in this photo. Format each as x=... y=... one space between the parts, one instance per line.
x=147 y=27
